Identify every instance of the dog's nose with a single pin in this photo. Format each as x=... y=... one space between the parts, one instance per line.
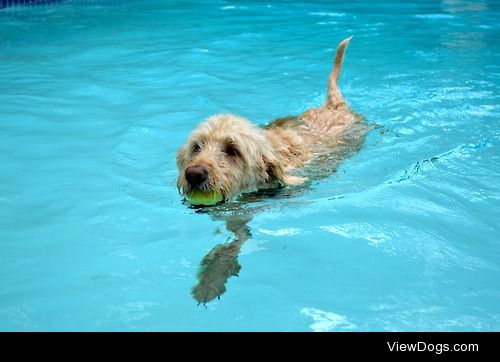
x=195 y=175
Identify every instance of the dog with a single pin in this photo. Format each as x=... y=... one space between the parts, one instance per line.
x=229 y=155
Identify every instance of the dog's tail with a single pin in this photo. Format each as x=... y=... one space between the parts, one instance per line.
x=335 y=99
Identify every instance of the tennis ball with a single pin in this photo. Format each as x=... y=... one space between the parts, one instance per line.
x=204 y=198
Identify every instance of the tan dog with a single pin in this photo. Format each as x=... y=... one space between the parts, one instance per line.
x=229 y=155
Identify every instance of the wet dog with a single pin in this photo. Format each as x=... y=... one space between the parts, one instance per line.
x=227 y=155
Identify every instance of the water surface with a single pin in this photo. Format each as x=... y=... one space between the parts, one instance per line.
x=97 y=96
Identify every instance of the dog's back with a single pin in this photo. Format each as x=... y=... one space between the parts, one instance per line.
x=319 y=132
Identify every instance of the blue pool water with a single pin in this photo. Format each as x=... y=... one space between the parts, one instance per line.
x=97 y=96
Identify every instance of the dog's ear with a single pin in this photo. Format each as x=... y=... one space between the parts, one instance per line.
x=273 y=170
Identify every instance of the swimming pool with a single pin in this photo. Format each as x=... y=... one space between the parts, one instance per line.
x=97 y=96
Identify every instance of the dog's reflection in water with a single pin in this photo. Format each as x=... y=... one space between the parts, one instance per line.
x=221 y=263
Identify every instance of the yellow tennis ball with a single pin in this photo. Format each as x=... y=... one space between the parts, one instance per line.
x=196 y=197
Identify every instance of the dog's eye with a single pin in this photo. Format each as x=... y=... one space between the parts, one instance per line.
x=231 y=151
x=196 y=148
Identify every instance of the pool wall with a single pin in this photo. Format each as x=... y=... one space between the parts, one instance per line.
x=7 y=3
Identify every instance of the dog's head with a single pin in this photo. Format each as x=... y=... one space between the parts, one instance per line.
x=227 y=154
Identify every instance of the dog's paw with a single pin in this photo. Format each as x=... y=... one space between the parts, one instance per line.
x=294 y=180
